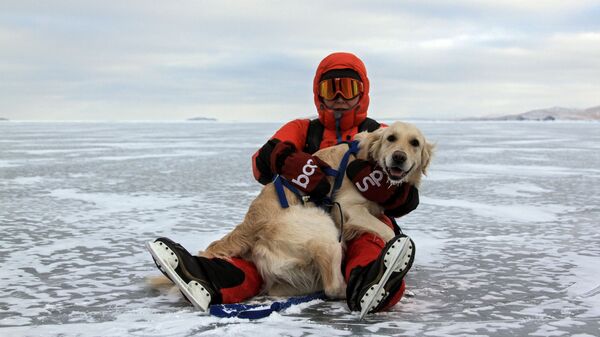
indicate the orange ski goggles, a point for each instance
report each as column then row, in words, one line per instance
column 345, row 86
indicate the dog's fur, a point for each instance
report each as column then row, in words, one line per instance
column 296, row 250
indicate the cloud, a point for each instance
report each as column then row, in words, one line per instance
column 256, row 59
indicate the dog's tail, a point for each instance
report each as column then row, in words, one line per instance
column 236, row 243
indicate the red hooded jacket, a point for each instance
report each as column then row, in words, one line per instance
column 296, row 130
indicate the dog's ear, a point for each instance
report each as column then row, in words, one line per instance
column 374, row 145
column 368, row 143
column 426, row 155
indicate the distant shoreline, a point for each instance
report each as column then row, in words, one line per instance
column 548, row 114
column 202, row 119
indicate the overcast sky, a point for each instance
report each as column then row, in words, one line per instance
column 255, row 60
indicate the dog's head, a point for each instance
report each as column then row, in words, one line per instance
column 400, row 149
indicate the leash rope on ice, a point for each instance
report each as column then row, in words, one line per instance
column 256, row 311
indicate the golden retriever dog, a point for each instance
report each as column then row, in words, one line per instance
column 297, row 249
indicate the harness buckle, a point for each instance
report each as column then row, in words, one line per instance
column 305, row 199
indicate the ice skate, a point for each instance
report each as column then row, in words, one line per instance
column 380, row 279
column 184, row 270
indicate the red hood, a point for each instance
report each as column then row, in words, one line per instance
column 358, row 114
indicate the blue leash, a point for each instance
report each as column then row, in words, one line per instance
column 256, row 311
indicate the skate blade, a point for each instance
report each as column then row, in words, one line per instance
column 167, row 260
column 398, row 259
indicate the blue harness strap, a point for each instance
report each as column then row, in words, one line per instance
column 278, row 182
column 339, row 178
column 331, row 172
column 256, row 311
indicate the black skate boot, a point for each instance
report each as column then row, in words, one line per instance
column 371, row 287
column 198, row 278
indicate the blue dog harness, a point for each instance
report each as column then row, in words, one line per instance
column 326, row 202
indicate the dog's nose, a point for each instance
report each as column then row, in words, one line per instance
column 399, row 157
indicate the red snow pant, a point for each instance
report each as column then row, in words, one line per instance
column 359, row 253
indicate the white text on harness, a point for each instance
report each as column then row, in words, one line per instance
column 308, row 170
column 373, row 179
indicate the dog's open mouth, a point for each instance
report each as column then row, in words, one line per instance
column 396, row 174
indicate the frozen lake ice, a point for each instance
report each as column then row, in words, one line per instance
column 507, row 231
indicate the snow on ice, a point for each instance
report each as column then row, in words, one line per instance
column 506, row 233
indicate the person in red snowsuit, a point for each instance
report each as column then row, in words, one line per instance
column 341, row 96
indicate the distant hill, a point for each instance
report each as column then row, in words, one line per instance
column 549, row 114
column 204, row 119
column 4, row 119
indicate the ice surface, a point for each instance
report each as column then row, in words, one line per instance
column 507, row 230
